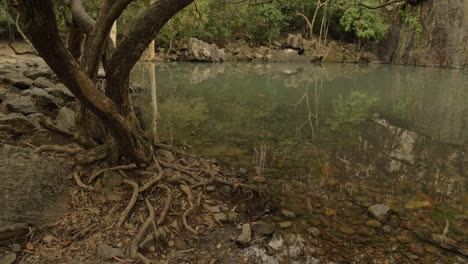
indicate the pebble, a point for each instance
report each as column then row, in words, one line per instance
column 263, row 228
column 288, row 213
column 373, row 223
column 49, row 239
column 379, row 211
column 246, row 236
column 314, row 231
column 285, row 224
column 366, row 231
column 403, row 239
column 347, row 230
column 330, row 212
column 416, row 249
column 430, row 249
column 259, row 179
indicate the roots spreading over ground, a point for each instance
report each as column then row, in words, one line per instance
column 145, row 211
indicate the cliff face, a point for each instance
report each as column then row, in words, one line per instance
column 444, row 41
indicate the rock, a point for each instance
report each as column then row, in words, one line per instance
column 108, row 252
column 288, row 213
column 34, row 118
column 330, row 212
column 431, row 249
column 213, row 209
column 347, row 230
column 35, row 73
column 259, row 179
column 61, row 92
column 34, row 90
column 263, row 228
column 221, row 217
column 366, row 231
column 295, row 41
column 18, row 81
column 65, row 119
column 19, row 104
column 43, row 82
column 45, row 102
column 49, row 239
column 373, row 223
column 285, row 224
column 232, row 217
column 246, row 236
column 19, row 123
column 12, row 231
column 46, row 137
column 314, row 231
column 416, row 249
column 8, row 258
column 379, row 211
column 403, row 239
column 202, row 51
column 16, row 247
column 419, row 201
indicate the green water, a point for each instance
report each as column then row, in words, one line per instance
column 324, row 133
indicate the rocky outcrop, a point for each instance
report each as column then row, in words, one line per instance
column 444, row 41
column 197, row 50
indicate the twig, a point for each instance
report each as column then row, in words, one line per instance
column 80, row 183
column 132, row 202
column 65, row 149
column 120, row 167
column 184, row 220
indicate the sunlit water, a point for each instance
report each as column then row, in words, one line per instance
column 366, row 134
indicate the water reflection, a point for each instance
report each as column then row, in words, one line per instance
column 328, row 133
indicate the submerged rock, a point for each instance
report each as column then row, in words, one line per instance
column 379, row 211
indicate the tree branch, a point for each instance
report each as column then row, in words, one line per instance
column 382, row 5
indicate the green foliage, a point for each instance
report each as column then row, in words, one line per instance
column 350, row 110
column 264, row 23
column 364, row 23
column 412, row 20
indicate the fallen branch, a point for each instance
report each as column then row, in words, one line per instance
column 132, row 202
column 120, row 167
column 80, row 183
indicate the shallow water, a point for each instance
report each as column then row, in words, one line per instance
column 324, row 134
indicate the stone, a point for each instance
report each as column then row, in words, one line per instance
column 246, row 236
column 34, row 90
column 44, row 102
column 8, row 258
column 431, row 249
column 18, row 81
column 420, row 201
column 366, row 231
column 19, row 104
column 62, row 92
column 403, row 239
column 263, row 228
column 285, row 224
column 330, row 212
column 221, row 217
column 416, row 249
column 198, row 50
column 46, row 137
column 19, row 123
column 288, row 213
column 379, row 211
column 35, row 73
column 373, row 223
column 259, row 179
column 108, row 252
column 43, row 82
column 35, row 118
column 12, row 231
column 347, row 230
column 49, row 239
column 65, row 119
column 315, row 232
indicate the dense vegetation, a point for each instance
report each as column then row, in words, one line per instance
column 257, row 21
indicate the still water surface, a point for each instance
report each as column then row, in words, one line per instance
column 327, row 136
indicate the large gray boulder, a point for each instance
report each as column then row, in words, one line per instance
column 32, row 190
column 198, row 50
column 19, row 104
column 18, row 123
column 62, row 92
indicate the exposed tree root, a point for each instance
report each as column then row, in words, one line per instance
column 132, row 202
column 120, row 167
column 80, row 183
column 133, row 249
column 56, row 148
column 167, row 206
column 98, row 153
column 152, row 181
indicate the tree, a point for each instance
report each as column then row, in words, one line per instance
column 112, row 110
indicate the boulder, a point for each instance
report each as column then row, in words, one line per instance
column 17, row 80
column 46, row 137
column 43, row 82
column 8, row 258
column 295, row 42
column 35, row 73
column 201, row 51
column 43, row 100
column 19, row 123
column 19, row 104
column 62, row 92
column 65, row 119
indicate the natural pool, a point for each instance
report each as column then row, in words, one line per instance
column 331, row 140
